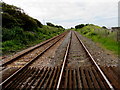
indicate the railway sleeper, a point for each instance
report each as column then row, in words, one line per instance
column 47, row 78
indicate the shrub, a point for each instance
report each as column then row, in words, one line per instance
column 50, row 24
column 14, row 16
column 79, row 26
column 28, row 23
column 38, row 23
column 11, row 34
column 8, row 21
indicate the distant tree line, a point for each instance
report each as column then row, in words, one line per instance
column 52, row 25
column 82, row 25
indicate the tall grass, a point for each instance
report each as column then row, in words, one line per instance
column 17, row 39
column 102, row 36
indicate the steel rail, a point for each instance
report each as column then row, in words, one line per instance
column 101, row 72
column 63, row 65
column 26, row 65
column 11, row 60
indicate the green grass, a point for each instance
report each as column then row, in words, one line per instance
column 106, row 43
column 16, row 39
column 105, row 38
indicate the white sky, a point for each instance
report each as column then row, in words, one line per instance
column 69, row 13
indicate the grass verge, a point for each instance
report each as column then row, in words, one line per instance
column 16, row 39
column 104, row 37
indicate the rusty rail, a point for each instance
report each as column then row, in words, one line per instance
column 27, row 64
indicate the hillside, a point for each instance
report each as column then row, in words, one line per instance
column 20, row 31
column 101, row 35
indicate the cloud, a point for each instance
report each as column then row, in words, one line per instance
column 71, row 12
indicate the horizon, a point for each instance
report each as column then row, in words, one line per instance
column 68, row 13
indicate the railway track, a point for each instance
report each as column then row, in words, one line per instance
column 25, row 59
column 81, row 77
column 77, row 55
column 64, row 82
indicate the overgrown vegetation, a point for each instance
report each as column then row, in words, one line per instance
column 101, row 35
column 20, row 30
column 13, row 16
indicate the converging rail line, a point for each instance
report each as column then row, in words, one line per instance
column 65, row 76
column 95, row 65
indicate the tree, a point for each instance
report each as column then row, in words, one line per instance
column 58, row 26
column 104, row 27
column 50, row 24
column 79, row 26
column 38, row 23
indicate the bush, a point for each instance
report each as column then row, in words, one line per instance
column 93, row 33
column 50, row 24
column 79, row 26
column 14, row 16
column 8, row 21
column 28, row 23
column 11, row 34
column 11, row 46
column 104, row 27
column 38, row 23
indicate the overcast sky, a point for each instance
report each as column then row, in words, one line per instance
column 69, row 13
